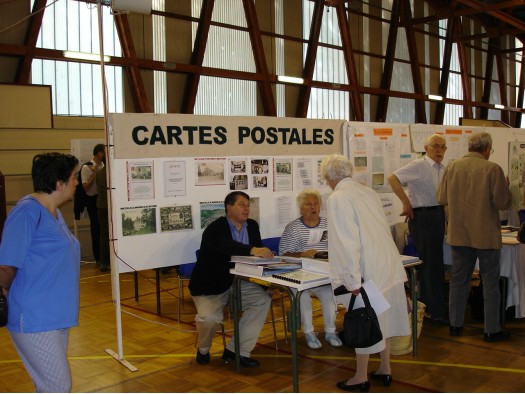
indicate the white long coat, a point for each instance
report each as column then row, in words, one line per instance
column 360, row 245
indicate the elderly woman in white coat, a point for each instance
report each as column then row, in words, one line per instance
column 361, row 247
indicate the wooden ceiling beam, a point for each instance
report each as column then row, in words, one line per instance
column 419, row 105
column 265, row 88
column 521, row 91
column 136, row 84
column 386, row 77
column 35, row 23
column 487, row 81
column 197, row 57
column 445, row 70
column 309, row 64
column 356, row 110
column 465, row 73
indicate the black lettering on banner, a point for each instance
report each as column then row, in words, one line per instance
column 174, row 133
column 220, row 135
column 272, row 137
column 258, row 135
column 284, row 131
column 190, row 130
column 318, row 137
column 157, row 136
column 135, row 135
column 205, row 135
column 244, row 132
column 294, row 137
column 329, row 133
column 305, row 140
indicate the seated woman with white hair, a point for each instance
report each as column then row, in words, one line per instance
column 361, row 248
column 304, row 237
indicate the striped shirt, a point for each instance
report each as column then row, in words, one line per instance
column 298, row 237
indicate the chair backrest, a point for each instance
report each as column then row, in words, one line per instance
column 185, row 270
column 272, row 244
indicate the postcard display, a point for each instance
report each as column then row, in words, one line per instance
column 169, row 175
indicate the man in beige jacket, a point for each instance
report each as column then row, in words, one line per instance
column 475, row 189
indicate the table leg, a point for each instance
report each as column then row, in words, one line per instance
column 294, row 323
column 236, row 305
column 504, row 285
column 414, row 293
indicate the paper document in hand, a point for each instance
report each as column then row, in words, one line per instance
column 377, row 300
column 301, row 276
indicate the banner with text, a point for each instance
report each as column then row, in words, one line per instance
column 173, row 135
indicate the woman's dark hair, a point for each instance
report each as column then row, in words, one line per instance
column 232, row 197
column 49, row 168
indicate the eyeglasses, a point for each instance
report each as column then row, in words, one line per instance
column 311, row 204
column 437, row 146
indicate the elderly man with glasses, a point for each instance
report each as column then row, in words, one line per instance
column 426, row 221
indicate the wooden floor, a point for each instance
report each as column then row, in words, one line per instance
column 163, row 350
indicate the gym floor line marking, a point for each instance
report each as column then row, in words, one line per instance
column 192, row 355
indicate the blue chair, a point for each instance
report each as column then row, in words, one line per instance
column 272, row 244
column 184, row 274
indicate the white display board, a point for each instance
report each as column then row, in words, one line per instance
column 161, row 203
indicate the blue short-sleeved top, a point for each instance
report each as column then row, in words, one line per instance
column 44, row 295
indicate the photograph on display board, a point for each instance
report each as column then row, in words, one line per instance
column 210, row 171
column 238, row 166
column 282, row 170
column 260, row 182
column 140, row 180
column 139, row 220
column 238, row 182
column 176, row 218
column 210, row 211
column 259, row 166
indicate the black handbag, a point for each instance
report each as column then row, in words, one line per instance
column 360, row 326
column 3, row 309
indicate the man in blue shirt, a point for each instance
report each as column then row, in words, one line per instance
column 211, row 281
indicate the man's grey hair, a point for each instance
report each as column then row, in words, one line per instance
column 301, row 197
column 430, row 138
column 478, row 142
column 336, row 167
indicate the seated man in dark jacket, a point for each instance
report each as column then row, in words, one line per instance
column 211, row 281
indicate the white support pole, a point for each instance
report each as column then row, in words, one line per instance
column 115, row 284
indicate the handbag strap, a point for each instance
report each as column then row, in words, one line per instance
column 366, row 301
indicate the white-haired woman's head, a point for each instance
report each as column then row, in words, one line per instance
column 336, row 167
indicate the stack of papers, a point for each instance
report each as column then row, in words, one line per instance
column 260, row 266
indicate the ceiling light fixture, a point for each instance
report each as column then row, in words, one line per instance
column 435, row 97
column 93, row 57
column 284, row 78
column 499, row 106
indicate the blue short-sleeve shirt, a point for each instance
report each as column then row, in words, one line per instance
column 44, row 295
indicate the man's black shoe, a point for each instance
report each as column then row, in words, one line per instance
column 455, row 331
column 229, row 357
column 496, row 336
column 202, row 358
